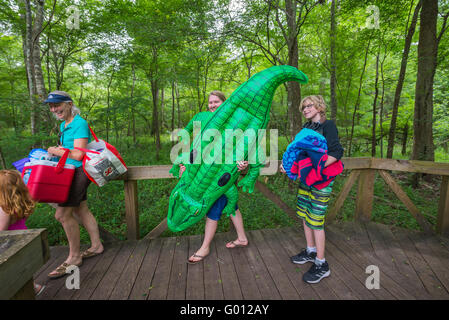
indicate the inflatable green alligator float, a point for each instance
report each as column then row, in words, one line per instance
column 205, row 180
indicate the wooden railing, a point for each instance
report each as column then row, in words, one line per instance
column 363, row 169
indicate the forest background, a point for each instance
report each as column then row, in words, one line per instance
column 140, row 69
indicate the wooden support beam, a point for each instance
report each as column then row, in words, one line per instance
column 443, row 208
column 157, row 231
column 276, row 199
column 365, row 195
column 131, row 209
column 342, row 195
column 396, row 188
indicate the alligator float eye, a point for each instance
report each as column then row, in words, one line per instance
column 224, row 179
column 193, row 154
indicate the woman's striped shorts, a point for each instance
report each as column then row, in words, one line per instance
column 312, row 204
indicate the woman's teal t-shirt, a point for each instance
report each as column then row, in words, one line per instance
column 77, row 129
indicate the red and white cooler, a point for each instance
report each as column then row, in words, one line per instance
column 49, row 181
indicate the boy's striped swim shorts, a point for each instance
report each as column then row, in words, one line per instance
column 312, row 204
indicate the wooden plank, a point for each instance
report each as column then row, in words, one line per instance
column 106, row 236
column 57, row 256
column 161, row 279
column 127, row 278
column 396, row 188
column 277, row 273
column 443, row 208
column 131, row 210
column 429, row 167
column 365, row 195
column 430, row 255
column 26, row 292
column 295, row 272
column 291, row 241
column 422, row 269
column 178, row 276
column 157, row 231
column 88, row 286
column 247, row 278
column 229, row 279
column 338, row 204
column 195, row 279
column 88, row 265
column 416, row 166
column 380, row 248
column 108, row 282
column 213, row 287
column 22, row 253
column 264, row 282
column 399, row 259
column 147, row 172
column 391, row 281
column 342, row 281
column 142, row 284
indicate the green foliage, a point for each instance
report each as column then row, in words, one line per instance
column 124, row 49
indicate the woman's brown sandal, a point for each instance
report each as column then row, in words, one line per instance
column 60, row 271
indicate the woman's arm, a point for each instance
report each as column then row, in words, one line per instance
column 74, row 153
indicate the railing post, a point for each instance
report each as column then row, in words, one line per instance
column 443, row 207
column 132, row 210
column 365, row 195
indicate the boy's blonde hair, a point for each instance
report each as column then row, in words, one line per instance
column 15, row 199
column 319, row 104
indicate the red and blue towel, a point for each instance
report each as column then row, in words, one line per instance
column 305, row 158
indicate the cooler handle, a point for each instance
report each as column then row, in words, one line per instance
column 61, row 163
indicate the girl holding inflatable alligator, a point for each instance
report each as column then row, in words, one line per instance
column 216, row 98
column 313, row 200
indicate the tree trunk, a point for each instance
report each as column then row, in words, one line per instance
column 37, row 29
column 108, row 110
column 423, row 148
column 357, row 103
column 293, row 87
column 404, row 139
column 155, row 94
column 28, row 56
column 132, row 105
column 173, row 106
column 397, row 95
column 376, row 94
column 381, row 111
column 333, row 67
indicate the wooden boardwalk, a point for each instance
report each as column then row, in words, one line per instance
column 412, row 266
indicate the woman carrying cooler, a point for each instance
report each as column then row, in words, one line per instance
column 74, row 132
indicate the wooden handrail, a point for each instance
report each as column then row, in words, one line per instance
column 364, row 170
column 426, row 167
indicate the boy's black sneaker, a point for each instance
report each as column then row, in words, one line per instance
column 304, row 257
column 316, row 273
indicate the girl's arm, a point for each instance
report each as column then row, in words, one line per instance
column 4, row 220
